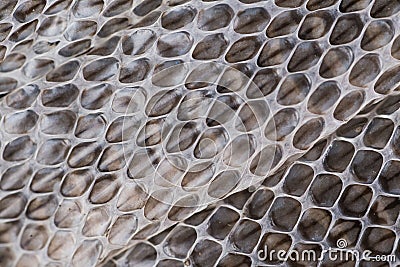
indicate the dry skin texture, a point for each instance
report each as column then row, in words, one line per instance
column 195, row 133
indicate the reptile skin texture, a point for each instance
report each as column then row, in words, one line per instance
column 177, row 133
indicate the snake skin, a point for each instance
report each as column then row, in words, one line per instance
column 195, row 133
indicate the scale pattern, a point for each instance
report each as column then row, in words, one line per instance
column 192, row 133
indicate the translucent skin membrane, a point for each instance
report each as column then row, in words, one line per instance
column 164, row 133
